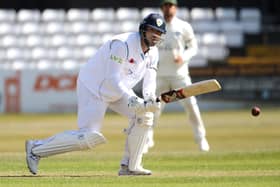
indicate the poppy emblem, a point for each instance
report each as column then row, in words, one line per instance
column 131, row 61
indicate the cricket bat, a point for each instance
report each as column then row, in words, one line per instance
column 197, row 88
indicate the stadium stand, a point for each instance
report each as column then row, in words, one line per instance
column 218, row 29
column 7, row 15
column 103, row 14
column 236, row 38
column 53, row 15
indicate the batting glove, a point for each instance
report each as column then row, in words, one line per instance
column 136, row 104
column 152, row 105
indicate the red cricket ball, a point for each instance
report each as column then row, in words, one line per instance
column 255, row 111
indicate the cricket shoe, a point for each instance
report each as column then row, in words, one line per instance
column 31, row 159
column 140, row 171
column 203, row 145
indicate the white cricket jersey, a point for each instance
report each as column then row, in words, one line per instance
column 118, row 66
column 179, row 40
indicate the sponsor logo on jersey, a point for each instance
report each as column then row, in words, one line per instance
column 116, row 59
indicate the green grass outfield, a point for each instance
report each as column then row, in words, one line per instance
column 245, row 151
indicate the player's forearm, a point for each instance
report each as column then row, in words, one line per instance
column 149, row 84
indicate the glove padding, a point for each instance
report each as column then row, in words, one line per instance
column 136, row 104
column 152, row 105
column 139, row 106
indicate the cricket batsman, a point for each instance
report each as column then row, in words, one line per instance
column 106, row 81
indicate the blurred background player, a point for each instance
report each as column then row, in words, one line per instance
column 175, row 52
column 107, row 81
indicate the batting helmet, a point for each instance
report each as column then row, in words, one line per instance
column 155, row 21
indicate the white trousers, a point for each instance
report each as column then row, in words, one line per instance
column 91, row 110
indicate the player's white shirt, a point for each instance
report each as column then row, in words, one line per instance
column 179, row 39
column 118, row 66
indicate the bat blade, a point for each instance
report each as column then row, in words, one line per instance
column 197, row 88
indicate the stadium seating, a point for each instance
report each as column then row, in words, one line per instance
column 202, row 14
column 53, row 15
column 145, row 11
column 250, row 19
column 101, row 14
column 7, row 15
column 75, row 14
column 26, row 15
column 53, row 27
column 52, row 34
column 128, row 14
column 223, row 14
